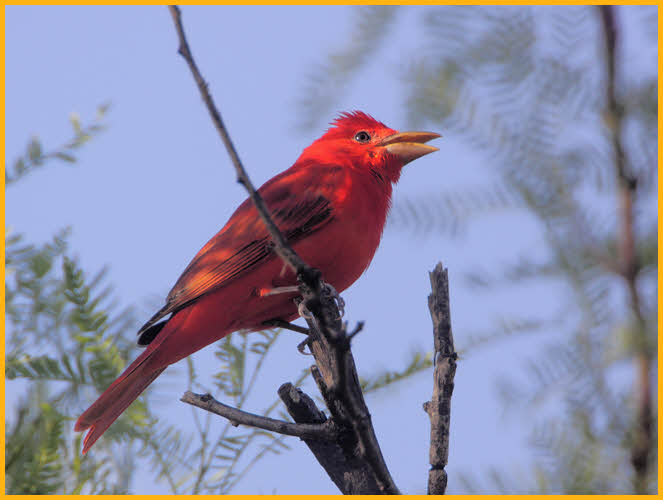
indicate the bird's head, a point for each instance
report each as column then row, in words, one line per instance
column 357, row 140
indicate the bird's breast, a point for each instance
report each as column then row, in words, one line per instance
column 344, row 248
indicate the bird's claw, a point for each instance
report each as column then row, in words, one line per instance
column 303, row 311
column 340, row 303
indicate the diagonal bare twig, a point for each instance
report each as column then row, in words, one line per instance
column 329, row 340
column 282, row 248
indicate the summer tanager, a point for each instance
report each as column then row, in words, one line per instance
column 331, row 206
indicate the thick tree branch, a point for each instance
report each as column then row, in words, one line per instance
column 328, row 338
column 323, row 431
column 348, row 472
column 643, row 439
column 439, row 408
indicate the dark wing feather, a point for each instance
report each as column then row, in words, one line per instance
column 244, row 242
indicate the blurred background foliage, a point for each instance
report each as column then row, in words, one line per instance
column 572, row 144
column 511, row 83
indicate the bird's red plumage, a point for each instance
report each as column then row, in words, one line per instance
column 331, row 205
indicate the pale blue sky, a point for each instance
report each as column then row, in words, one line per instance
column 151, row 190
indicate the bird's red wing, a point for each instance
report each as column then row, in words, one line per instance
column 244, row 242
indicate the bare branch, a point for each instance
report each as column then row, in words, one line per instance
column 281, row 246
column 439, row 408
column 323, row 431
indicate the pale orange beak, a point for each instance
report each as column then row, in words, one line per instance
column 409, row 146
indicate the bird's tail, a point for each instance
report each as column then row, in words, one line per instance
column 121, row 393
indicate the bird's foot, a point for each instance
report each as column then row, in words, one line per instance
column 340, row 303
column 304, row 312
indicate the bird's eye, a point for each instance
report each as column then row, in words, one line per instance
column 362, row 136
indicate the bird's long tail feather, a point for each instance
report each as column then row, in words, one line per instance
column 121, row 393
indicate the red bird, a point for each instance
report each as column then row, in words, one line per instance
column 331, row 206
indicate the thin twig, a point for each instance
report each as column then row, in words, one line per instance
column 281, row 246
column 358, row 328
column 643, row 439
column 439, row 408
column 279, row 323
column 324, row 431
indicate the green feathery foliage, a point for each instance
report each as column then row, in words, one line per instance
column 35, row 157
column 62, row 343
